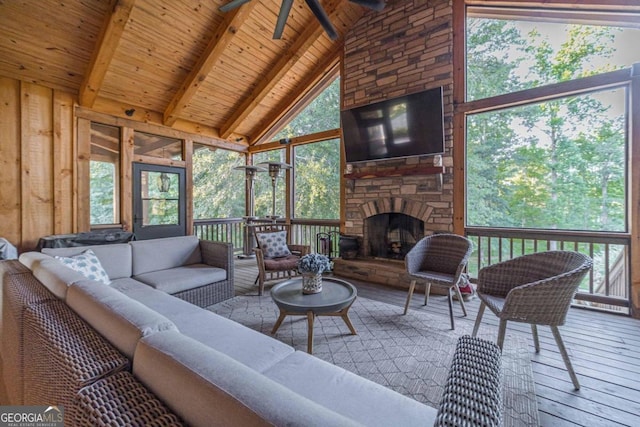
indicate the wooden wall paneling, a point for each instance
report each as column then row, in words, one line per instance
column 10, row 183
column 63, row 163
column 36, row 123
column 127, row 149
column 83, row 188
column 188, row 158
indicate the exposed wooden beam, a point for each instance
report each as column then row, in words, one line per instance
column 219, row 42
column 105, row 50
column 296, row 99
column 304, row 41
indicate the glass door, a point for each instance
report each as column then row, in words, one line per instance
column 159, row 204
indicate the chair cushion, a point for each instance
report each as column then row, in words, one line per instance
column 87, row 264
column 273, row 244
column 289, row 262
column 183, row 278
column 435, row 277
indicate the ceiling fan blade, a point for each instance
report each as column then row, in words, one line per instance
column 371, row 4
column 321, row 15
column 232, row 5
column 285, row 8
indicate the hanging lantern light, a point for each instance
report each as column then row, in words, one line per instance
column 164, row 182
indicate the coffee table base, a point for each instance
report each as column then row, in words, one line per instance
column 344, row 313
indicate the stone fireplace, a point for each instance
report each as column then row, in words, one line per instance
column 389, row 206
column 405, row 49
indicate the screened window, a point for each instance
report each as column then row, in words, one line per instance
column 552, row 164
column 163, row 147
column 516, row 53
column 323, row 113
column 218, row 189
column 104, row 169
column 558, row 164
column 317, row 180
column 263, row 188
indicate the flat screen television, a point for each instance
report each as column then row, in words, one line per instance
column 410, row 125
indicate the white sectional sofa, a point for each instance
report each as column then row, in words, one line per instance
column 129, row 351
column 197, row 271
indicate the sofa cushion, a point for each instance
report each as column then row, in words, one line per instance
column 162, row 254
column 115, row 258
column 31, row 259
column 115, row 316
column 87, row 264
column 353, row 396
column 183, row 278
column 57, row 277
column 253, row 349
column 207, row 388
column 273, row 244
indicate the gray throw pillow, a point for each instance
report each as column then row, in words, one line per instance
column 274, row 244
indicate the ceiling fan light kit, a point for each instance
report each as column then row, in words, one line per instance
column 316, row 8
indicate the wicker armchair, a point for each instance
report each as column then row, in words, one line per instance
column 440, row 260
column 535, row 289
column 279, row 266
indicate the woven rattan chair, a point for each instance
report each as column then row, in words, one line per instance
column 277, row 267
column 438, row 260
column 535, row 289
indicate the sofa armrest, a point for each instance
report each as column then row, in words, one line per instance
column 216, row 254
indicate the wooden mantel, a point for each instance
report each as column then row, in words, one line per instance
column 382, row 173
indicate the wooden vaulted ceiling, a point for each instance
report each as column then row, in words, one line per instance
column 181, row 61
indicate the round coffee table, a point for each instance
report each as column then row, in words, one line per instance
column 336, row 298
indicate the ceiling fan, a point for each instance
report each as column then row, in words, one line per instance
column 315, row 7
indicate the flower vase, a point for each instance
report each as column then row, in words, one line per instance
column 311, row 283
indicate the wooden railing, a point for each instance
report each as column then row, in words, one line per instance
column 229, row 230
column 303, row 232
column 606, row 286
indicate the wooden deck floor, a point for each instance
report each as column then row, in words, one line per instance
column 604, row 349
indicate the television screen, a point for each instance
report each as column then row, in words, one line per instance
column 410, row 125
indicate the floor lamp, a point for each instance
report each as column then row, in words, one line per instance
column 274, row 173
column 250, row 172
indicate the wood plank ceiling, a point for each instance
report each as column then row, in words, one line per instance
column 183, row 61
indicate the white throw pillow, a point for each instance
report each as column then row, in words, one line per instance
column 87, row 264
column 274, row 244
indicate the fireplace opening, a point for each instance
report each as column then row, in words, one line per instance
column 392, row 235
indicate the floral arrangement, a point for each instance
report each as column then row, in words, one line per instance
column 314, row 263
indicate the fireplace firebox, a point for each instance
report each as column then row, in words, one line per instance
column 391, row 235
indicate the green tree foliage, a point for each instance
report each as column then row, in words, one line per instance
column 317, row 180
column 218, row 189
column 323, row 113
column 264, row 187
column 555, row 164
column 102, row 182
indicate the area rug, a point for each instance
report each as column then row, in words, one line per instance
column 409, row 353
